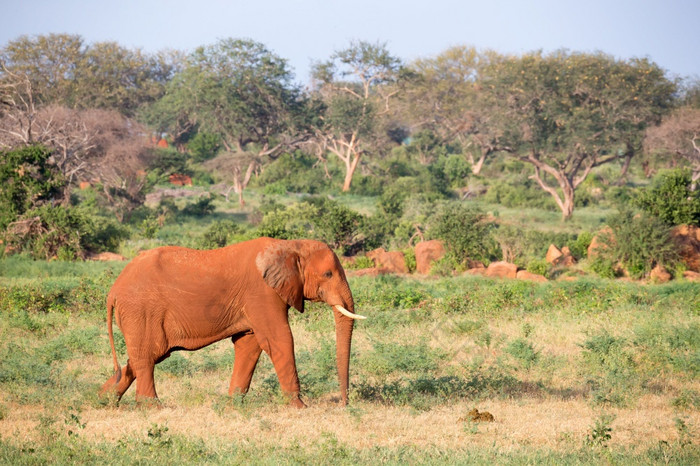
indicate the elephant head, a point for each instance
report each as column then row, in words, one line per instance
column 309, row 270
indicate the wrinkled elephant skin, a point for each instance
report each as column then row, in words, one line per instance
column 174, row 298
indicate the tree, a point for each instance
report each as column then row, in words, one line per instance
column 679, row 135
column 353, row 86
column 243, row 93
column 49, row 61
column 441, row 94
column 110, row 76
column 65, row 71
column 92, row 144
column 567, row 113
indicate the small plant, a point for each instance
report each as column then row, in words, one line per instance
column 73, row 421
column 685, row 436
column 158, row 436
column 523, row 351
column 218, row 234
column 601, row 432
column 149, row 227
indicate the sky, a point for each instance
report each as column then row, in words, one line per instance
column 305, row 31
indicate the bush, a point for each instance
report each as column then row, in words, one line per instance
column 204, row 146
column 317, row 218
column 637, row 242
column 200, row 208
column 334, row 223
column 28, row 180
column 465, row 231
column 292, row 222
column 218, row 234
column 670, row 199
column 293, row 173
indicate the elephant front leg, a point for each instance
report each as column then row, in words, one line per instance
column 247, row 353
column 280, row 347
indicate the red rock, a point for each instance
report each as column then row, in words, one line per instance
column 393, row 261
column 533, row 277
column 691, row 276
column 370, row 272
column 687, row 239
column 553, row 254
column 501, row 269
column 597, row 243
column 659, row 274
column 428, row 252
column 180, row 180
column 105, row 256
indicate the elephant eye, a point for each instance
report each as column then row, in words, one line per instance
column 328, row 274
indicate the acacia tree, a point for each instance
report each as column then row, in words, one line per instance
column 441, row 95
column 353, row 84
column 566, row 114
column 65, row 71
column 242, row 92
column 679, row 135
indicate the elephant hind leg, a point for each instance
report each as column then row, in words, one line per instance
column 247, row 353
column 145, row 386
column 119, row 388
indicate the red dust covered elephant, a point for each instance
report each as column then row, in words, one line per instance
column 174, row 298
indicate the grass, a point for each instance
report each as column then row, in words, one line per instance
column 589, row 371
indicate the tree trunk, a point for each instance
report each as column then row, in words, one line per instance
column 350, row 167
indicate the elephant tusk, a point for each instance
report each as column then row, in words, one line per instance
column 347, row 313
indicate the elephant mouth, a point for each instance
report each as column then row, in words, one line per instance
column 347, row 313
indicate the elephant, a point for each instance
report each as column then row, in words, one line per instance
column 174, row 298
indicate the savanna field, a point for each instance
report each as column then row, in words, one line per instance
column 586, row 371
column 578, row 171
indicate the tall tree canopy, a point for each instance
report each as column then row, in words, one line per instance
column 566, row 113
column 63, row 70
column 240, row 91
column 441, row 95
column 353, row 86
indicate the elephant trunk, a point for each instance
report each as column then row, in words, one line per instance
column 343, row 341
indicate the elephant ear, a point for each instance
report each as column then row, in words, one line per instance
column 281, row 269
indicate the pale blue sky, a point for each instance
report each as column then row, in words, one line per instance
column 666, row 31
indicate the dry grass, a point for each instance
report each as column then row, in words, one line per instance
column 557, row 425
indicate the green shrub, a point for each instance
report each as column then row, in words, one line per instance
column 204, row 146
column 390, row 358
column 317, row 218
column 46, row 231
column 28, row 180
column 465, row 231
column 293, row 172
column 334, row 223
column 638, row 243
column 610, row 368
column 200, row 208
column 292, row 222
column 519, row 192
column 523, row 351
column 218, row 234
column 670, row 198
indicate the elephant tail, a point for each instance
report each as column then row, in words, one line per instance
column 111, row 302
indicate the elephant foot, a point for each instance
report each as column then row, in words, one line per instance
column 147, row 402
column 295, row 401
